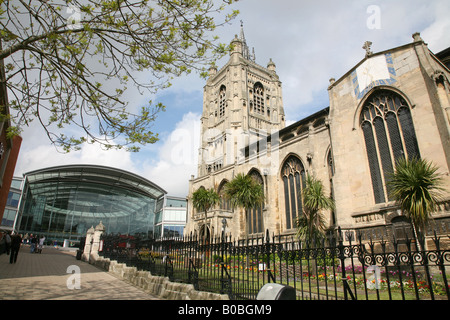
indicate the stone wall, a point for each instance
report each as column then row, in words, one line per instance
column 155, row 285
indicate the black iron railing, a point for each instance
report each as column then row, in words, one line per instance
column 326, row 270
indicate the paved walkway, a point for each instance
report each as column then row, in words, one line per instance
column 45, row 276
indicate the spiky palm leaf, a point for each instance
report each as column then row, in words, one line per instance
column 203, row 200
column 416, row 187
column 311, row 224
column 244, row 191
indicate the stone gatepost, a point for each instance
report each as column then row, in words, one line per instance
column 88, row 244
column 92, row 244
column 98, row 231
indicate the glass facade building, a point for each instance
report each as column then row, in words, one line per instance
column 171, row 220
column 12, row 205
column 63, row 202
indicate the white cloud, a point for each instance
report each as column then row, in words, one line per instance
column 437, row 35
column 45, row 155
column 177, row 157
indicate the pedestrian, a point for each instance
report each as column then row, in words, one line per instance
column 41, row 243
column 8, row 242
column 2, row 242
column 16, row 241
column 33, row 240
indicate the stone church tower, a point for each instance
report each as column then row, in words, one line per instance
column 242, row 102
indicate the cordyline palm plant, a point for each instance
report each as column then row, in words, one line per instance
column 203, row 200
column 243, row 191
column 416, row 186
column 311, row 223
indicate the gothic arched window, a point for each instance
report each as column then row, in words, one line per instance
column 222, row 101
column 224, row 202
column 293, row 176
column 254, row 216
column 258, row 98
column 389, row 134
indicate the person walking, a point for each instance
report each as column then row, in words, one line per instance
column 16, row 241
column 2, row 242
column 8, row 242
column 41, row 244
column 33, row 240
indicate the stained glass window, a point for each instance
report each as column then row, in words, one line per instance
column 254, row 216
column 389, row 134
column 293, row 176
column 224, row 202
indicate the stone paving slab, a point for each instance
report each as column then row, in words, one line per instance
column 45, row 276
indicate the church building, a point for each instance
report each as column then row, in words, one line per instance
column 392, row 104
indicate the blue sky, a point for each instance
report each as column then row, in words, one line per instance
column 309, row 41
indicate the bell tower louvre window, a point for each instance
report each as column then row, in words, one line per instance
column 258, row 98
column 222, row 101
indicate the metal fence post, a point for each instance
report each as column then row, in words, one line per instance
column 267, row 250
column 341, row 257
column 440, row 262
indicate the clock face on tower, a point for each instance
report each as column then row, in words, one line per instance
column 375, row 71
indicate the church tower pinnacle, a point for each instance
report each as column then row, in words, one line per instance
column 245, row 50
column 241, row 101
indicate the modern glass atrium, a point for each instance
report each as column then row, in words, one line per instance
column 62, row 203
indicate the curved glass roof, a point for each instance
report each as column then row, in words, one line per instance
column 96, row 174
column 92, row 189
